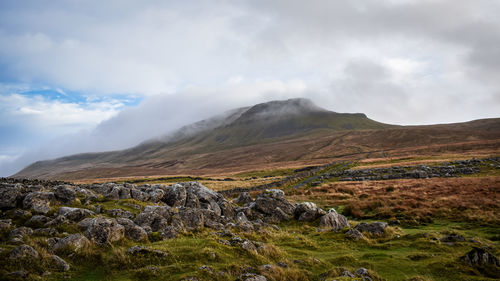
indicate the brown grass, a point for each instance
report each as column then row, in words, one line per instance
column 413, row 201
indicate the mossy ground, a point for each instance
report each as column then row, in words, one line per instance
column 401, row 254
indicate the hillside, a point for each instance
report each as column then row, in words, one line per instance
column 275, row 134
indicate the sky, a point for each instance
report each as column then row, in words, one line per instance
column 98, row 75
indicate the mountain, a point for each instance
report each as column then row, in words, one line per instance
column 273, row 134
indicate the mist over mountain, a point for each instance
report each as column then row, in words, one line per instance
column 280, row 131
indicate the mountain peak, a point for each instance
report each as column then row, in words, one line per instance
column 280, row 108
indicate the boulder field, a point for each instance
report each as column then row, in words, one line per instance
column 148, row 213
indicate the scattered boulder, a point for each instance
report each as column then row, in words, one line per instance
column 333, row 220
column 243, row 198
column 133, row 231
column 153, row 217
column 38, row 201
column 120, row 213
column 354, row 234
column 38, row 220
column 23, row 252
column 251, row 277
column 10, row 194
column 75, row 214
column 192, row 218
column 453, row 238
column 104, row 231
column 20, row 232
column 73, row 242
column 65, row 194
column 307, row 211
column 48, row 231
column 377, row 228
column 272, row 203
column 84, row 224
column 4, row 224
column 175, row 196
column 480, row 257
column 139, row 195
column 59, row 264
column 140, row 250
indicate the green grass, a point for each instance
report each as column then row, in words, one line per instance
column 400, row 255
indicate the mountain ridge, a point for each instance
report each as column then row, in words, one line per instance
column 247, row 135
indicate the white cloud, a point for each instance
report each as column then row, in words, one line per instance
column 405, row 62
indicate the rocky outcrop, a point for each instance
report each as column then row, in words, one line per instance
column 38, row 201
column 273, row 205
column 11, row 195
column 23, row 252
column 75, row 214
column 103, row 231
column 58, row 263
column 133, row 231
column 333, row 221
column 73, row 243
column 480, row 257
column 65, row 194
column 308, row 211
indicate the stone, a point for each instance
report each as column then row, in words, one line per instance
column 241, row 218
column 5, row 224
column 354, row 234
column 480, row 257
column 84, row 224
column 347, row 274
column 57, row 221
column 10, row 195
column 38, row 201
column 282, row 264
column 104, row 231
column 377, row 228
column 251, row 277
column 156, row 195
column 243, row 198
column 45, row 231
column 362, row 272
column 133, row 231
column 120, row 213
column 75, row 214
column 272, row 203
column 139, row 195
column 59, row 264
column 141, row 250
column 334, row 221
column 65, row 194
column 307, row 211
column 453, row 238
column 20, row 274
column 38, row 220
column 175, row 195
column 192, row 219
column 206, row 268
column 152, row 216
column 73, row 242
column 20, row 232
column 169, row 232
column 23, row 252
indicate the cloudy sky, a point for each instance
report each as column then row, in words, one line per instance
column 78, row 76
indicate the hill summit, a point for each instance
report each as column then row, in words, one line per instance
column 293, row 132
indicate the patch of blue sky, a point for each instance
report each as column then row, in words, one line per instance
column 57, row 94
column 69, row 96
